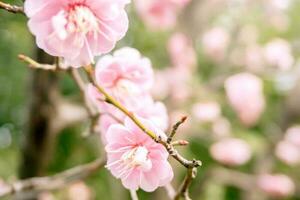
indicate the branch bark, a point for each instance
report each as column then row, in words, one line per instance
column 31, row 187
column 11, row 8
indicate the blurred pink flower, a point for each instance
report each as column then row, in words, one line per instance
column 215, row 42
column 293, row 135
column 159, row 14
column 288, row 152
column 277, row 185
column 181, row 50
column 245, row 94
column 206, row 111
column 79, row 191
column 135, row 158
column 254, row 58
column 77, row 30
column 231, row 151
column 278, row 53
column 221, row 127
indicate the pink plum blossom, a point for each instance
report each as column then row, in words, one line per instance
column 231, row 151
column 135, row 158
column 245, row 94
column 277, row 185
column 293, row 135
column 278, row 53
column 155, row 112
column 181, row 50
column 159, row 14
column 125, row 75
column 77, row 30
column 288, row 152
column 206, row 111
column 215, row 43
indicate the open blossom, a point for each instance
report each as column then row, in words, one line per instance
column 125, row 73
column 245, row 94
column 231, row 151
column 215, row 42
column 159, row 14
column 135, row 158
column 278, row 53
column 277, row 185
column 181, row 50
column 77, row 30
column 155, row 112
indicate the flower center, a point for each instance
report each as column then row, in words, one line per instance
column 125, row 87
column 81, row 19
column 137, row 156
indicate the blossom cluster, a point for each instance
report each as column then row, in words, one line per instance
column 79, row 30
column 132, row 155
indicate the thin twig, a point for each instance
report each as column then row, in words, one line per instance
column 170, row 148
column 180, row 143
column 11, row 8
column 40, row 184
column 175, row 128
column 134, row 195
column 184, row 188
column 33, row 64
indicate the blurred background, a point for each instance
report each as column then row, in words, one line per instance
column 231, row 66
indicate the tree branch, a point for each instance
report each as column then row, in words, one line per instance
column 11, row 8
column 40, row 184
column 184, row 188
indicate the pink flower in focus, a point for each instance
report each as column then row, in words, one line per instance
column 135, row 158
column 125, row 75
column 278, row 53
column 155, row 112
column 245, row 94
column 159, row 14
column 215, row 42
column 77, row 30
column 277, row 185
column 207, row 111
column 181, row 50
column 231, row 151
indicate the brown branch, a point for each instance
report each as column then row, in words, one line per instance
column 191, row 165
column 33, row 64
column 40, row 184
column 170, row 148
column 175, row 128
column 184, row 188
column 11, row 8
